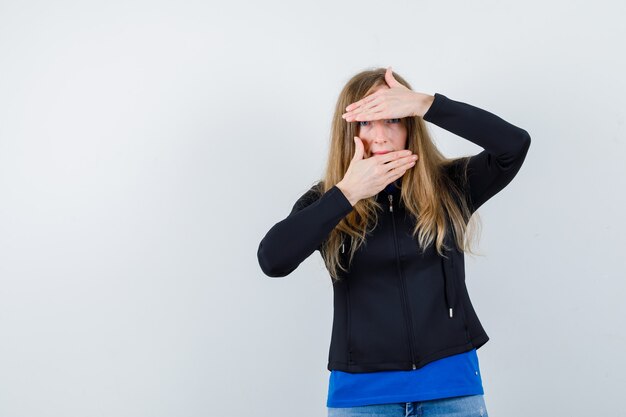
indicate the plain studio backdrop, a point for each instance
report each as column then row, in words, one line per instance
column 147, row 147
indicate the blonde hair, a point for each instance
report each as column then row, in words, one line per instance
column 427, row 191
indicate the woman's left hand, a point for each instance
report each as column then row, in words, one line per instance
column 397, row 101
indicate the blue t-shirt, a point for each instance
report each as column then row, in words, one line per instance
column 451, row 376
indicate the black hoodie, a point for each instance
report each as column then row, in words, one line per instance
column 398, row 308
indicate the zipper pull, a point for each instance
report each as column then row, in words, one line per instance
column 342, row 248
column 390, row 203
column 414, row 367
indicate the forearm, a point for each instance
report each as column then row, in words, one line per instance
column 479, row 126
column 292, row 240
column 505, row 146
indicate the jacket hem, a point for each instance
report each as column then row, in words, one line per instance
column 475, row 343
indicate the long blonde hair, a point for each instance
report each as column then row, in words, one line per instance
column 428, row 193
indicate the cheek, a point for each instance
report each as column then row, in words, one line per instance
column 400, row 138
column 404, row 137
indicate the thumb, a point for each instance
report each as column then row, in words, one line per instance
column 359, row 150
column 391, row 82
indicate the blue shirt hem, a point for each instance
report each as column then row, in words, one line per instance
column 425, row 396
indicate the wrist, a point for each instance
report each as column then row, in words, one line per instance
column 347, row 193
column 422, row 104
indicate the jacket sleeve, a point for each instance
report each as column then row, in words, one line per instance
column 295, row 238
column 505, row 145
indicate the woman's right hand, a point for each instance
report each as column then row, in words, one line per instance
column 367, row 177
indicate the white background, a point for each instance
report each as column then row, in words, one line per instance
column 146, row 147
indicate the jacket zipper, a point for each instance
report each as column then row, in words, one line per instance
column 404, row 301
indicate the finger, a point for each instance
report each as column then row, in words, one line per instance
column 359, row 150
column 392, row 178
column 375, row 106
column 389, row 79
column 398, row 172
column 371, row 104
column 402, row 163
column 371, row 115
column 406, row 165
column 363, row 101
column 349, row 116
column 354, row 105
column 391, row 156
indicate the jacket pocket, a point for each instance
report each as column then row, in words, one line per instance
column 378, row 332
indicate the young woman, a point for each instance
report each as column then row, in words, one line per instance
column 392, row 219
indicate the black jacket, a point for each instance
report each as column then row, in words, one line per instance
column 396, row 308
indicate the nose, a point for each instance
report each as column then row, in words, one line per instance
column 379, row 134
column 376, row 137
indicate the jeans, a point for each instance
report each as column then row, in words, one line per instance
column 463, row 406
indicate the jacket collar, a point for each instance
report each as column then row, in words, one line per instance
column 394, row 187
